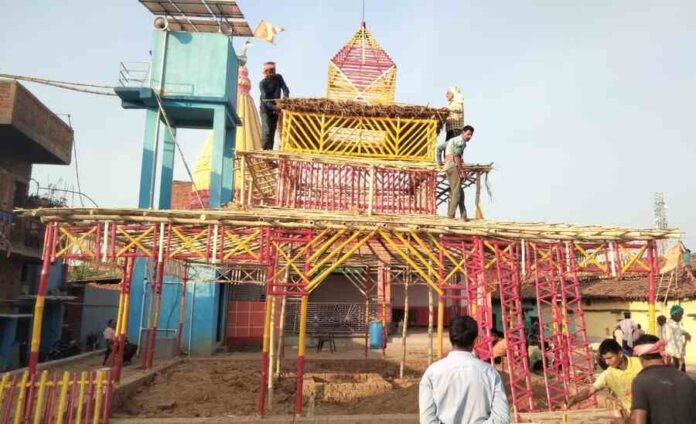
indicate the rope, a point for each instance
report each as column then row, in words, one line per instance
column 178, row 147
column 64, row 84
column 77, row 168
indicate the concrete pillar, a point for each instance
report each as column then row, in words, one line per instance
column 167, row 177
column 148, row 165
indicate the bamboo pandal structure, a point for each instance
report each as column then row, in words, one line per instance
column 299, row 248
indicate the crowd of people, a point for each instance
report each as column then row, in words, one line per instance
column 645, row 373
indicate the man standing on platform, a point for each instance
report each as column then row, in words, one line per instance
column 271, row 86
column 454, row 121
column 454, row 168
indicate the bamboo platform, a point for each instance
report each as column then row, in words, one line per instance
column 288, row 218
column 584, row 416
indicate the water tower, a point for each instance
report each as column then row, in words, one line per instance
column 190, row 82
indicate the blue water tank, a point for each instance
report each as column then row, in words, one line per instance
column 376, row 334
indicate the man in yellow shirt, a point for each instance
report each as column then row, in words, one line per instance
column 618, row 377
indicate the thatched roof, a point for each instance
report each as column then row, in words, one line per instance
column 353, row 108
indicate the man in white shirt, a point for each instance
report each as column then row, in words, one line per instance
column 459, row 388
column 628, row 326
column 109, row 335
column 676, row 338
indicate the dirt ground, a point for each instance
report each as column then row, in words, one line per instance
column 229, row 387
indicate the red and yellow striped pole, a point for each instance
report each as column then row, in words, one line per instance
column 41, row 298
column 261, row 402
column 300, row 355
column 268, row 254
column 122, row 321
column 652, row 262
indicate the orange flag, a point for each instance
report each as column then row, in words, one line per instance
column 266, row 31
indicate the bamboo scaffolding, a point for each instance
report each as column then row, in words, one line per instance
column 358, row 162
column 405, row 326
column 288, row 218
column 430, row 326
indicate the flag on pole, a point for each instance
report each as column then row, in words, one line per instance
column 266, row 31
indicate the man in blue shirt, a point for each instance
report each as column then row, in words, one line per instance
column 454, row 168
column 460, row 388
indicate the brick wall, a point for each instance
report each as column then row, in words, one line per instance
column 181, row 194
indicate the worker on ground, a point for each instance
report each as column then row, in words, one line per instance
column 461, row 388
column 618, row 335
column 109, row 334
column 676, row 338
column 661, row 321
column 272, row 86
column 628, row 326
column 618, row 377
column 637, row 333
column 454, row 168
column 454, row 121
column 500, row 346
column 661, row 394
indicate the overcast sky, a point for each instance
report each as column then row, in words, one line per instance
column 586, row 108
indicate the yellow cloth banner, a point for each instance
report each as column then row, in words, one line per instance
column 266, row 31
column 673, row 256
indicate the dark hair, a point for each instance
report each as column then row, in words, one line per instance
column 648, row 339
column 463, row 332
column 609, row 346
column 627, row 315
column 661, row 320
column 468, row 128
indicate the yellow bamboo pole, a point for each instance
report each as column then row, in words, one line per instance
column 440, row 326
column 19, row 406
column 281, row 335
column 81, row 396
column 4, row 385
column 38, row 406
column 405, row 327
column 62, row 400
column 98, row 398
column 430, row 325
column 319, row 278
column 260, row 404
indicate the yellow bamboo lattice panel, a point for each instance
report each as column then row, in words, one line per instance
column 380, row 91
column 408, row 139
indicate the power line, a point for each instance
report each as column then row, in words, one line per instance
column 74, row 86
column 39, row 188
column 77, row 168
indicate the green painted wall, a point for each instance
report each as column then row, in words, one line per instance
column 197, row 64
